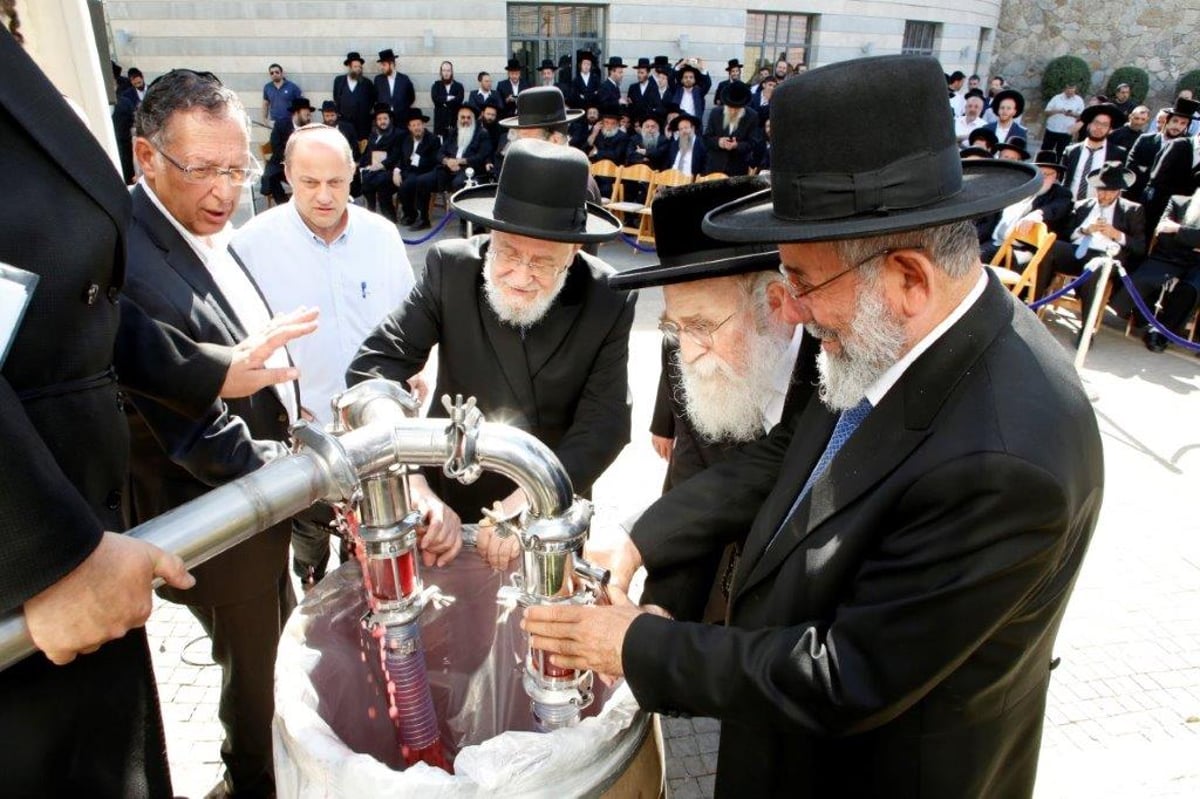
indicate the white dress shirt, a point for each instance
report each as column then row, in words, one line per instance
column 687, row 104
column 772, row 402
column 356, row 281
column 1097, row 241
column 1099, row 157
column 247, row 304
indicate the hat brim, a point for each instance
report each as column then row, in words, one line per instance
column 988, row 186
column 477, row 204
column 515, row 121
column 664, row 275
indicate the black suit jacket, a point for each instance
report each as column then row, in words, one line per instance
column 748, row 132
column 699, row 156
column 675, row 94
column 1128, row 217
column 477, row 101
column 609, row 94
column 1172, row 174
column 172, row 461
column 1074, row 158
column 427, row 155
column 895, row 639
column 400, row 98
column 355, row 106
column 387, row 142
column 508, row 98
column 644, row 101
column 565, row 381
column 1180, row 247
column 447, row 99
column 476, row 154
column 583, row 92
column 1141, row 160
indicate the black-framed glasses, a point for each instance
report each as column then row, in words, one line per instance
column 700, row 332
column 238, row 175
column 799, row 287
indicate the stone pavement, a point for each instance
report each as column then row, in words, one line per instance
column 1123, row 717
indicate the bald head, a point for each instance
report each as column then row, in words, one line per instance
column 319, row 167
column 317, row 136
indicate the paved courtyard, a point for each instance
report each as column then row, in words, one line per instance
column 1124, row 712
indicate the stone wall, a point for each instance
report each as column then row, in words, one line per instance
column 1156, row 35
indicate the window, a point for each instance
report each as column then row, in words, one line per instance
column 920, row 38
column 772, row 37
column 538, row 31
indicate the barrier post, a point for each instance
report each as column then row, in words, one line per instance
column 1093, row 312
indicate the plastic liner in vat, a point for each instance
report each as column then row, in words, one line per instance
column 333, row 736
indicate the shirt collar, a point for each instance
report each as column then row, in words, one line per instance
column 203, row 246
column 304, row 230
column 879, row 389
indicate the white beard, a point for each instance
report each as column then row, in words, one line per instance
column 877, row 343
column 726, row 406
column 521, row 315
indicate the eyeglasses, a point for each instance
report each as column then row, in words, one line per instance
column 543, row 268
column 798, row 287
column 700, row 332
column 238, row 175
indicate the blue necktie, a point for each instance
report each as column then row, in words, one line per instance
column 847, row 423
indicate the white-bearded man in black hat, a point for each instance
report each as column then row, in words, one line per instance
column 732, row 134
column 524, row 322
column 912, row 536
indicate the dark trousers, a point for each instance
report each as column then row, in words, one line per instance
column 245, row 638
column 90, row 728
column 272, row 184
column 1055, row 141
column 310, row 542
column 380, row 192
column 1062, row 260
column 1177, row 304
column 415, row 191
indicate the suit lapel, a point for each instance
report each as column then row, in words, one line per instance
column 550, row 334
column 509, row 349
column 886, row 438
column 34, row 102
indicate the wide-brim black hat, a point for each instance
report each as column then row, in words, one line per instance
column 662, row 61
column 298, row 103
column 412, row 113
column 386, row 55
column 830, row 182
column 736, row 94
column 1183, row 107
column 1009, row 94
column 1116, row 115
column 974, row 152
column 1112, row 176
column 685, row 252
column 734, row 64
column 673, row 125
column 1049, row 158
column 643, row 63
column 688, row 68
column 1016, row 145
column 974, row 93
column 541, row 107
column 542, row 193
column 614, row 62
column 612, row 111
column 381, row 108
column 353, row 56
column 513, row 65
column 546, row 64
column 984, row 135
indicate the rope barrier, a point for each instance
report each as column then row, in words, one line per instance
column 632, row 242
column 436, row 230
column 1148, row 315
column 1088, row 272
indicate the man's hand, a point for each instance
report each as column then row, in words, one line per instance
column 498, row 551
column 583, row 636
column 419, row 387
column 104, row 597
column 396, row 177
column 442, row 538
column 246, row 374
column 662, row 445
column 611, row 548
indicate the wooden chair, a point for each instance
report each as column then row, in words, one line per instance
column 664, row 179
column 607, row 169
column 629, row 211
column 711, row 176
column 1007, row 261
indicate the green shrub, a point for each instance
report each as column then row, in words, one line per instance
column 1137, row 78
column 1063, row 70
column 1189, row 80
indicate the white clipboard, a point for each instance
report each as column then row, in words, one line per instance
column 16, row 290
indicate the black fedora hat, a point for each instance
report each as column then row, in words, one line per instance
column 985, row 135
column 381, row 108
column 1049, row 159
column 734, row 64
column 1183, row 107
column 643, row 63
column 684, row 116
column 974, row 93
column 688, row 68
column 685, row 252
column 1115, row 115
column 830, row 182
column 662, row 62
column 353, row 56
column 736, row 94
column 411, row 113
column 967, row 153
column 612, row 111
column 615, row 62
column 1113, row 176
column 1014, row 145
column 546, row 64
column 1009, row 94
column 541, row 107
column 299, row 103
column 329, row 105
column 585, row 55
column 513, row 65
column 542, row 193
column 386, row 55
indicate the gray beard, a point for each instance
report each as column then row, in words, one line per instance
column 876, row 344
column 519, row 315
column 608, row 134
column 649, row 142
column 465, row 135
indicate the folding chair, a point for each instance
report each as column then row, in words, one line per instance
column 638, row 173
column 664, row 179
column 711, row 176
column 607, row 169
column 1007, row 262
